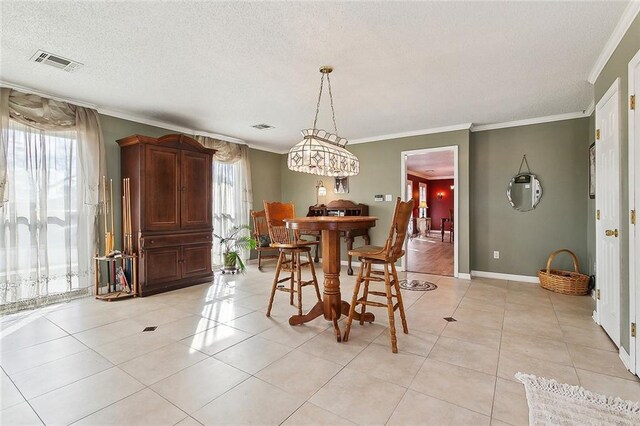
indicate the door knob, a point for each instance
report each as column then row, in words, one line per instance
column 611, row 233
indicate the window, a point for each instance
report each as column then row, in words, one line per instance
column 231, row 204
column 41, row 226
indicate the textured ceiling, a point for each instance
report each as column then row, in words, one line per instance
column 432, row 165
column 399, row 67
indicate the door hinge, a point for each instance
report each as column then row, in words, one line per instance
column 633, row 217
column 632, row 102
column 597, row 214
column 633, row 329
column 597, row 134
column 598, row 294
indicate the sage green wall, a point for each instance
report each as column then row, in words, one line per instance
column 557, row 155
column 380, row 164
column 265, row 166
column 265, row 179
column 617, row 66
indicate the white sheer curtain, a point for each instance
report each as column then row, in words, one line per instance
column 50, row 161
column 232, row 194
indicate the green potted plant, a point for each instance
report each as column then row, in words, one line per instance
column 232, row 244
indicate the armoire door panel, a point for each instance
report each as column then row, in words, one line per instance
column 162, row 265
column 196, row 260
column 196, row 189
column 162, row 203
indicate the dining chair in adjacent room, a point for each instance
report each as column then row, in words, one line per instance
column 291, row 248
column 386, row 256
column 451, row 225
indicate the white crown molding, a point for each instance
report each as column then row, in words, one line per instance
column 164, row 125
column 619, row 31
column 132, row 117
column 262, row 148
column 456, row 127
column 529, row 121
column 45, row 95
column 508, row 277
column 425, row 176
column 592, row 106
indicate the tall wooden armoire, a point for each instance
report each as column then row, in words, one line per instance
column 171, row 192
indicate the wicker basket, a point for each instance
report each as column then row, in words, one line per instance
column 564, row 282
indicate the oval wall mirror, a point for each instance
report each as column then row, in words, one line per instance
column 524, row 192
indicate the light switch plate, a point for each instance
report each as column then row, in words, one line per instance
column 388, row 197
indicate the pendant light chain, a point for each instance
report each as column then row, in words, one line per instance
column 315, row 120
column 333, row 111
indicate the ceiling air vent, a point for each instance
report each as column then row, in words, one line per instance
column 56, row 61
column 262, row 126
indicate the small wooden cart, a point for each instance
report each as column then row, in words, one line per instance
column 112, row 263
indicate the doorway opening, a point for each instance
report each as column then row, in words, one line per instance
column 429, row 177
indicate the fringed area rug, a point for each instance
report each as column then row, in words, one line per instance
column 553, row 403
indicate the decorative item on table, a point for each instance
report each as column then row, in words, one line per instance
column 321, row 191
column 423, row 208
column 341, row 185
column 320, row 152
column 232, row 245
column 564, row 282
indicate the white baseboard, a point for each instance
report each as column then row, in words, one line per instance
column 464, row 276
column 595, row 317
column 509, row 277
column 626, row 358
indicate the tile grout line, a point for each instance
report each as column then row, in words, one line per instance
column 24, row 399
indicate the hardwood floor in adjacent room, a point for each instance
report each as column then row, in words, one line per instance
column 430, row 255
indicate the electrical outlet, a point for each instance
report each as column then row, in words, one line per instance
column 496, row 254
column 388, row 197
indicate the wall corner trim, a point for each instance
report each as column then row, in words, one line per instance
column 508, row 277
column 619, row 31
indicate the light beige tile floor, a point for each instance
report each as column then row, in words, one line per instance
column 215, row 358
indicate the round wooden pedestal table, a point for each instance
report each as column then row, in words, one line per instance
column 332, row 305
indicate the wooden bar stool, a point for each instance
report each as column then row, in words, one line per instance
column 291, row 248
column 386, row 256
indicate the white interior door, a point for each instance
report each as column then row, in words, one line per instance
column 634, row 199
column 608, row 211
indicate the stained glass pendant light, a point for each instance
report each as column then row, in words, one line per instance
column 320, row 152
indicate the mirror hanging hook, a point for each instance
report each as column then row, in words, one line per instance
column 524, row 161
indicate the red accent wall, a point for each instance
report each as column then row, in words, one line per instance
column 439, row 208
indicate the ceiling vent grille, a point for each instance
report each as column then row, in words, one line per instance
column 55, row 61
column 262, row 126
